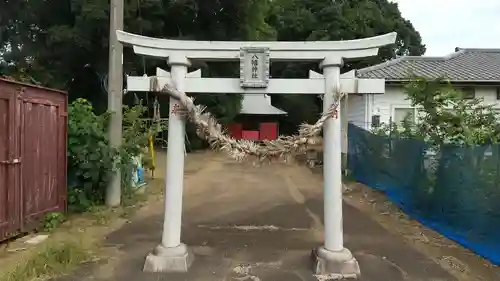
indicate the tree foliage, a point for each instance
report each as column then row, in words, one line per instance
column 296, row 20
column 64, row 44
column 346, row 20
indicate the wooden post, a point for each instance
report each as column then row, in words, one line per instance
column 115, row 97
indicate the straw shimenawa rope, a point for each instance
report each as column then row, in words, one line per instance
column 283, row 148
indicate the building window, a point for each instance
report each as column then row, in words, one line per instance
column 498, row 93
column 375, row 121
column 469, row 92
column 401, row 113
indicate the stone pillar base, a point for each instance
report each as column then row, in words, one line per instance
column 162, row 259
column 335, row 265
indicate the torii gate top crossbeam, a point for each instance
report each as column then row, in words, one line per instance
column 230, row 50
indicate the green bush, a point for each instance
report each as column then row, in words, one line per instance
column 91, row 161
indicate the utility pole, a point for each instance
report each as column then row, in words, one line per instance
column 115, row 96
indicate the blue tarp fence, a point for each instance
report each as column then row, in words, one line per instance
column 455, row 191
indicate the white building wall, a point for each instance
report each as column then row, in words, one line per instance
column 384, row 104
column 395, row 97
column 489, row 93
column 357, row 110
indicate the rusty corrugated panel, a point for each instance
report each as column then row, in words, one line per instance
column 10, row 217
column 4, row 146
column 43, row 153
column 36, row 140
column 5, row 81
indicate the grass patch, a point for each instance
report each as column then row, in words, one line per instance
column 56, row 257
column 74, row 241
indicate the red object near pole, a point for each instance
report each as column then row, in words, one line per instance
column 268, row 131
column 236, row 130
column 251, row 135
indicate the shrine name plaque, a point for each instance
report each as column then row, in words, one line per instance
column 254, row 67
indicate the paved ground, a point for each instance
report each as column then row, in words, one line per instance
column 263, row 219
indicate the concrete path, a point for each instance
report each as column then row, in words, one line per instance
column 248, row 223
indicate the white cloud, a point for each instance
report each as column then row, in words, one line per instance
column 446, row 24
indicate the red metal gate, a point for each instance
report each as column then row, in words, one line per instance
column 32, row 155
column 9, row 192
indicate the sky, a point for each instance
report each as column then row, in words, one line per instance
column 446, row 24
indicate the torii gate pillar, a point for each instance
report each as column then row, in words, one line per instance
column 332, row 256
column 171, row 254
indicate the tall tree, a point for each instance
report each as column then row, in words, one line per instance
column 68, row 49
column 296, row 20
column 346, row 20
column 64, row 44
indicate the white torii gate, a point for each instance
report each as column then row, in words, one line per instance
column 255, row 57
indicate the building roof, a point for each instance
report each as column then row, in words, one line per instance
column 464, row 65
column 259, row 104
